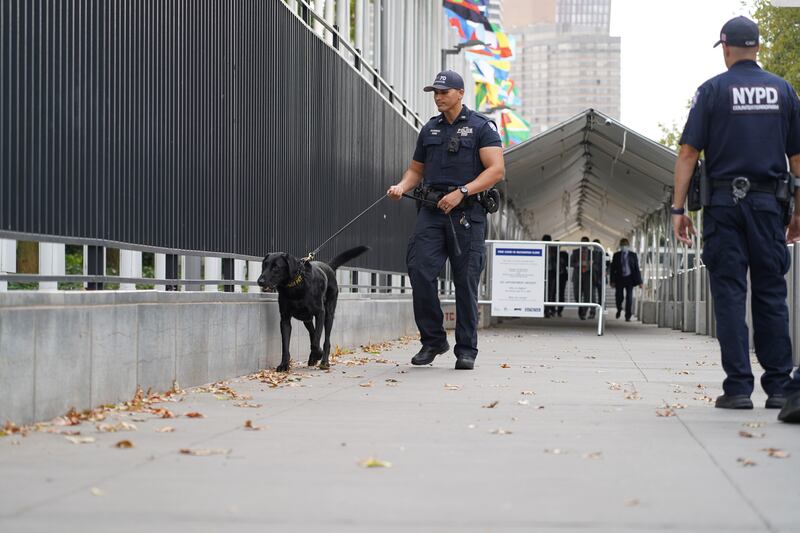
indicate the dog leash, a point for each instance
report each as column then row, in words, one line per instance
column 449, row 217
column 315, row 251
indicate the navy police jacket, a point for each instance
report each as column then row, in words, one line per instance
column 446, row 168
column 747, row 120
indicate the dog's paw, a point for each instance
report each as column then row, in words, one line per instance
column 324, row 365
column 312, row 361
column 314, row 357
column 283, row 367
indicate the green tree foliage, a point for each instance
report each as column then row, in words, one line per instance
column 780, row 39
column 670, row 135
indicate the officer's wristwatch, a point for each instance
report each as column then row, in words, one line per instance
column 464, row 190
column 677, row 210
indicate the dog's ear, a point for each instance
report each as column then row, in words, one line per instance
column 292, row 264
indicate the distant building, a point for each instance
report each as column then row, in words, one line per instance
column 565, row 59
column 494, row 11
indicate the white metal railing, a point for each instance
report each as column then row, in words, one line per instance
column 588, row 291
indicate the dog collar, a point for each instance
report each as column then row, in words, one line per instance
column 295, row 282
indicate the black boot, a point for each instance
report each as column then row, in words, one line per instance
column 428, row 353
column 465, row 363
column 791, row 410
column 775, row 401
column 734, row 402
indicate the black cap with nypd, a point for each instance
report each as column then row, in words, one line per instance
column 739, row 31
column 447, row 79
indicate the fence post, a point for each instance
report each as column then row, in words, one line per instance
column 171, row 270
column 213, row 271
column 130, row 266
column 253, row 273
column 95, row 265
column 51, row 263
column 191, row 270
column 238, row 273
column 8, row 260
column 227, row 273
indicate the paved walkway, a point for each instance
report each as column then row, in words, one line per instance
column 573, row 442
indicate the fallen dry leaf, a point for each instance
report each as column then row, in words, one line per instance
column 113, row 428
column 372, row 462
column 554, row 451
column 665, row 412
column 203, row 452
column 94, row 491
column 754, row 425
column 80, row 440
column 165, row 429
column 448, row 386
column 523, row 402
column 593, row 455
column 527, row 393
column 505, row 365
column 633, row 396
column 776, row 453
column 491, row 405
column 194, row 415
column 634, row 502
column 248, row 424
column 749, row 435
column 501, row 431
column 247, row 404
column 614, row 386
column 366, row 385
column 746, row 462
column 124, row 444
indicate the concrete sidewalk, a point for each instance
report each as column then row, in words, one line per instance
column 574, row 442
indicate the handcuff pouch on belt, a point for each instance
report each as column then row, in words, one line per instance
column 783, row 188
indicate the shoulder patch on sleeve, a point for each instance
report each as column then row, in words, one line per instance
column 492, row 125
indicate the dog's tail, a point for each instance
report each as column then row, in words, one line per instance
column 347, row 256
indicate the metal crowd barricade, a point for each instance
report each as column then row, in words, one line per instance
column 593, row 298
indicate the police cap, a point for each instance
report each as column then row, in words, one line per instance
column 739, row 31
column 447, row 79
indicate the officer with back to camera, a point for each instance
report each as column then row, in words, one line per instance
column 748, row 122
column 458, row 155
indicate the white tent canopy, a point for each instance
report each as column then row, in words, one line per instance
column 588, row 176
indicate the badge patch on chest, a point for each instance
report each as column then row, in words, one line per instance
column 755, row 100
column 435, row 132
column 464, row 131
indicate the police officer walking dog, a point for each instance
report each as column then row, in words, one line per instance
column 458, row 155
column 748, row 122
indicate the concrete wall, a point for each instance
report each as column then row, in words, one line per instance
column 78, row 349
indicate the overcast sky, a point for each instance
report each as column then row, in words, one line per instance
column 666, row 54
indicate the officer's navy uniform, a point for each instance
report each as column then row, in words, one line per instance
column 748, row 121
column 432, row 243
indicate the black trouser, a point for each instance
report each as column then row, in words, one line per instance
column 751, row 236
column 562, row 290
column 581, row 292
column 431, row 245
column 551, row 292
column 625, row 285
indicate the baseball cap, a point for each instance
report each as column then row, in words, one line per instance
column 739, row 31
column 446, row 79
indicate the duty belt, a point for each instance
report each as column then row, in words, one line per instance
column 742, row 185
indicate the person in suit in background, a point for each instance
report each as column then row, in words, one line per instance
column 557, row 276
column 580, row 261
column 552, row 270
column 598, row 256
column 563, row 277
column 625, row 275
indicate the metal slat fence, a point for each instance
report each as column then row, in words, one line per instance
column 220, row 127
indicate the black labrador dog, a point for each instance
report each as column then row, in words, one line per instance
column 307, row 291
